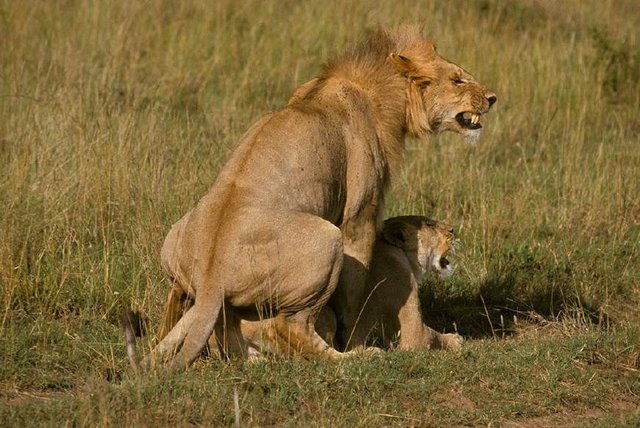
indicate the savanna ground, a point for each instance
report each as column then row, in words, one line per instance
column 115, row 117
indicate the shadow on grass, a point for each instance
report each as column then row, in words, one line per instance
column 498, row 305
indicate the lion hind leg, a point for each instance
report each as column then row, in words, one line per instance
column 296, row 336
column 204, row 316
column 170, row 342
column 192, row 331
column 175, row 307
column 293, row 330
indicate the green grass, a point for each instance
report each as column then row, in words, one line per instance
column 115, row 118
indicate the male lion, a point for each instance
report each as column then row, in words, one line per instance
column 304, row 190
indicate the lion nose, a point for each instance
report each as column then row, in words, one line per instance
column 491, row 98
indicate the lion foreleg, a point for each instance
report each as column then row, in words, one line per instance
column 415, row 334
column 327, row 325
column 229, row 340
column 350, row 292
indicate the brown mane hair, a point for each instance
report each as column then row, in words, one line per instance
column 398, row 106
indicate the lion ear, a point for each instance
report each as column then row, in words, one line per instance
column 395, row 234
column 403, row 65
column 408, row 68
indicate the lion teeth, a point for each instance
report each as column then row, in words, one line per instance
column 475, row 118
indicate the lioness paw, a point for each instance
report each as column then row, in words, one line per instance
column 451, row 341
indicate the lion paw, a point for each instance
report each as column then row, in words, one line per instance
column 372, row 350
column 451, row 341
column 364, row 351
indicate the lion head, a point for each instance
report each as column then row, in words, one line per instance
column 425, row 241
column 408, row 86
column 441, row 96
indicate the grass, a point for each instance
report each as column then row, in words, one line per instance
column 490, row 381
column 115, row 118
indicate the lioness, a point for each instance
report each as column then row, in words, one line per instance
column 297, row 206
column 407, row 249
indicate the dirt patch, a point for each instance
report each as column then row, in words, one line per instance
column 454, row 398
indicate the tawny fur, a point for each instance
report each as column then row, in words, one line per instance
column 296, row 208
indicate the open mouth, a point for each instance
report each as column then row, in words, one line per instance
column 443, row 262
column 468, row 120
column 443, row 267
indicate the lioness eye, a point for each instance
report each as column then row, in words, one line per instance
column 458, row 81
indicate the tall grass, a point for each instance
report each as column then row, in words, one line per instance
column 115, row 117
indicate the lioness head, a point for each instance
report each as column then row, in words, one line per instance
column 441, row 96
column 426, row 242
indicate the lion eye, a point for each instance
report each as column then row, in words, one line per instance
column 458, row 81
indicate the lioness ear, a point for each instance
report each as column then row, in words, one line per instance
column 395, row 234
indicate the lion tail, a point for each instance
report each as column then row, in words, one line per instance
column 129, row 319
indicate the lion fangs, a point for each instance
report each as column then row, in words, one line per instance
column 475, row 118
